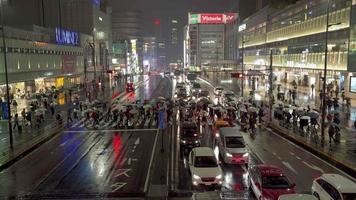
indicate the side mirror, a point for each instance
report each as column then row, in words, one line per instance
column 293, row 185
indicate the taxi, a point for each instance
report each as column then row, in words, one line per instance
column 220, row 123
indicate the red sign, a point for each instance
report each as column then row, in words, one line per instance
column 68, row 64
column 212, row 18
column 230, row 17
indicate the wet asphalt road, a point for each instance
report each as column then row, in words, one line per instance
column 81, row 162
column 300, row 166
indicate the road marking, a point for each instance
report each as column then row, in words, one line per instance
column 274, row 153
column 313, row 167
column 291, row 153
column 279, row 158
column 151, row 159
column 330, row 165
column 137, row 141
column 131, row 160
column 117, row 186
column 289, row 166
column 123, row 172
column 298, row 157
column 113, row 130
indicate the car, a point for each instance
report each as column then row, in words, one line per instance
column 231, row 145
column 228, row 96
column 204, row 168
column 189, row 136
column 130, row 87
column 218, row 91
column 219, row 124
column 195, row 88
column 334, row 186
column 297, row 197
column 269, row 182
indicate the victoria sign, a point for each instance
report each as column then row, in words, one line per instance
column 212, row 18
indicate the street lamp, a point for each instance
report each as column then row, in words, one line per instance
column 242, row 28
column 323, row 107
column 6, row 76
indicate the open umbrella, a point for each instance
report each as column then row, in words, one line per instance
column 252, row 109
column 313, row 114
column 305, row 117
column 334, row 112
column 242, row 109
column 230, row 108
column 161, row 98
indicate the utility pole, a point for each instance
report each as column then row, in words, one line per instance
column 242, row 67
column 6, row 77
column 323, row 107
column 271, row 97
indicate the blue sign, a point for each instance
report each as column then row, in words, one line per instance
column 66, row 37
column 161, row 120
column 5, row 111
column 96, row 2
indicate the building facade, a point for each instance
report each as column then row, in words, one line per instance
column 296, row 37
column 36, row 61
column 204, row 40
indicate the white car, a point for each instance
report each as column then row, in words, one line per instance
column 204, row 168
column 218, row 91
column 297, row 197
column 334, row 187
column 232, row 148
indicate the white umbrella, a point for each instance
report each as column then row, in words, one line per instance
column 161, row 98
column 252, row 109
column 305, row 117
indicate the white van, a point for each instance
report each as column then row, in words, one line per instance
column 232, row 146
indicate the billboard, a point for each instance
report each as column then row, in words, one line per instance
column 212, row 18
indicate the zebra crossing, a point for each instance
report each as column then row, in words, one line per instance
column 107, row 124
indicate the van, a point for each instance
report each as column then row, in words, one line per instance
column 232, row 147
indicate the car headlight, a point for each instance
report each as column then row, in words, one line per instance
column 228, row 154
column 183, row 141
column 199, row 90
column 217, row 135
column 197, row 141
column 245, row 155
column 196, row 176
column 219, row 176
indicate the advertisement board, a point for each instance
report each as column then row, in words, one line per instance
column 194, row 18
column 68, row 64
column 230, row 18
column 353, row 84
column 211, row 18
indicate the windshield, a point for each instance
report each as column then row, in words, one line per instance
column 189, row 132
column 205, row 161
column 349, row 196
column 196, row 85
column 275, row 182
column 234, row 142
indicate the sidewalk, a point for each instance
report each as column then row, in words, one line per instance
column 31, row 138
column 341, row 155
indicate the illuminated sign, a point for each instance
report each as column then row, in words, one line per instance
column 212, row 18
column 194, row 18
column 230, row 17
column 66, row 37
column 353, row 84
column 242, row 27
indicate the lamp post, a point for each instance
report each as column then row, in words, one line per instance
column 323, row 103
column 6, row 77
column 242, row 28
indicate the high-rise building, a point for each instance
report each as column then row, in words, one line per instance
column 204, row 39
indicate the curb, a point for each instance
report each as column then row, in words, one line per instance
column 337, row 163
column 28, row 150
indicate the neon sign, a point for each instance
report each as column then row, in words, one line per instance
column 66, row 37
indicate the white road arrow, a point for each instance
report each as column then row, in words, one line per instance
column 313, row 167
column 137, row 141
column 129, row 162
column 123, row 172
column 117, row 186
